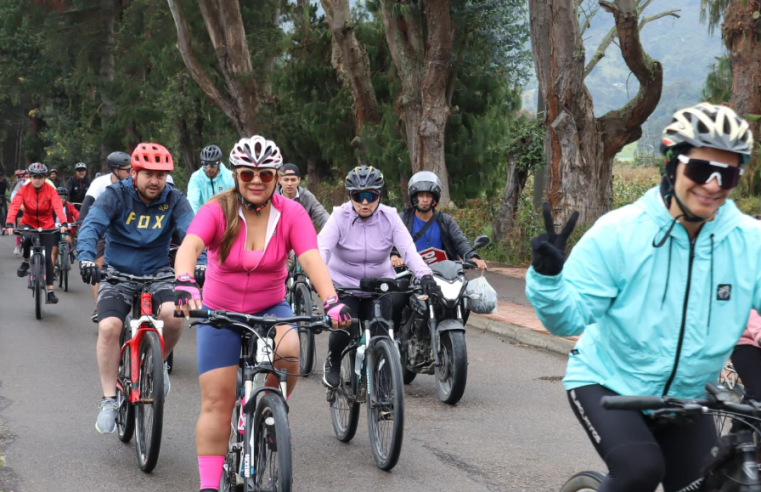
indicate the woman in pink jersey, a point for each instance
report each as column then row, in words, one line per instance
column 248, row 231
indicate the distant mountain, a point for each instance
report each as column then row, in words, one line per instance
column 683, row 46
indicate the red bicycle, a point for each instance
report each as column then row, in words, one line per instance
column 140, row 384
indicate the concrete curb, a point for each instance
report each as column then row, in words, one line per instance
column 526, row 336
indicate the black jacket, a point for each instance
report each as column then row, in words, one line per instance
column 78, row 189
column 456, row 245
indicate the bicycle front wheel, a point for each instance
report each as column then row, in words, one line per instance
column 385, row 407
column 149, row 409
column 302, row 306
column 39, row 285
column 271, row 449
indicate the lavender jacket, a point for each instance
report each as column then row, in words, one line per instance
column 354, row 249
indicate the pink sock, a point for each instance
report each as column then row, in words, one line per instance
column 210, row 469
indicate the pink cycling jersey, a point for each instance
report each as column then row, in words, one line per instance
column 233, row 287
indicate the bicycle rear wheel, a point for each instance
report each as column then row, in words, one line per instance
column 588, row 481
column 230, row 481
column 65, row 266
column 344, row 410
column 385, row 407
column 38, row 288
column 302, row 306
column 149, row 410
column 271, row 451
column 125, row 418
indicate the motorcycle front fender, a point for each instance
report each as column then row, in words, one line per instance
column 450, row 324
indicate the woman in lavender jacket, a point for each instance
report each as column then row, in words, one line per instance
column 355, row 243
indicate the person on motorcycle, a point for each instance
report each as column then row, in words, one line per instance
column 120, row 165
column 247, row 229
column 355, row 243
column 288, row 186
column 71, row 214
column 660, row 292
column 431, row 228
column 137, row 216
column 79, row 184
column 212, row 178
column 40, row 200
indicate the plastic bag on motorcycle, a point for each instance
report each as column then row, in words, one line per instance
column 485, row 299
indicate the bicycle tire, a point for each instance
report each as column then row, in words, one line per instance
column 38, row 289
column 229, row 482
column 125, row 417
column 344, row 410
column 452, row 373
column 302, row 306
column 386, row 404
column 587, row 481
column 63, row 270
column 149, row 410
column 273, row 436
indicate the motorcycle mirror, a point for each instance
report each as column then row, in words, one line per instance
column 481, row 241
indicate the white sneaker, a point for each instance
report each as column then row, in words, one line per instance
column 16, row 251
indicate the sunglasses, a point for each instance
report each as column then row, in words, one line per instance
column 361, row 196
column 38, row 176
column 247, row 175
column 210, row 164
column 125, row 169
column 702, row 172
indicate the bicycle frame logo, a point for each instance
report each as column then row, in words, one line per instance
column 138, row 329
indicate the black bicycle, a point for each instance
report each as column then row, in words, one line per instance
column 140, row 383
column 63, row 262
column 37, row 277
column 299, row 296
column 733, row 467
column 259, row 452
column 371, row 373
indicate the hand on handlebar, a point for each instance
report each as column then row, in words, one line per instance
column 480, row 264
column 338, row 312
column 90, row 272
column 187, row 295
column 396, row 261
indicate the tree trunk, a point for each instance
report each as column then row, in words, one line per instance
column 741, row 36
column 421, row 48
column 540, row 175
column 241, row 99
column 189, row 150
column 313, row 174
column 109, row 12
column 508, row 205
column 580, row 148
column 350, row 59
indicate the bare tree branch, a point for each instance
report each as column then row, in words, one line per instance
column 613, row 34
column 198, row 74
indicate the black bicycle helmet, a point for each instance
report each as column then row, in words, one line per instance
column 80, row 166
column 118, row 159
column 37, row 168
column 62, row 191
column 364, row 178
column 212, row 153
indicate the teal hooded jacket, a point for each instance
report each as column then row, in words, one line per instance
column 658, row 313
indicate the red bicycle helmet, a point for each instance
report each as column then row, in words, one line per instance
column 152, row 156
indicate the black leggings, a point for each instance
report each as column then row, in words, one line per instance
column 747, row 362
column 47, row 241
column 641, row 454
column 392, row 305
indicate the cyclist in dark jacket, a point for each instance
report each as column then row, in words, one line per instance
column 78, row 185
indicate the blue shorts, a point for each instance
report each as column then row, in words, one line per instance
column 218, row 348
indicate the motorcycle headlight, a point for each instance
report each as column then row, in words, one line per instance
column 450, row 291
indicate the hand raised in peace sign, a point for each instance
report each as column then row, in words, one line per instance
column 548, row 248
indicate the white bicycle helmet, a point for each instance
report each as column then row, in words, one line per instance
column 708, row 125
column 256, row 152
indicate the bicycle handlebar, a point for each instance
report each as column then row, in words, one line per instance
column 316, row 324
column 113, row 277
column 39, row 230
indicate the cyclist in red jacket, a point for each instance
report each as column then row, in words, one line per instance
column 39, row 199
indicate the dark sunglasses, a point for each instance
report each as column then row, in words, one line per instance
column 702, row 172
column 127, row 169
column 247, row 175
column 361, row 196
column 210, row 164
column 38, row 176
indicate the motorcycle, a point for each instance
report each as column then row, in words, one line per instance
column 432, row 338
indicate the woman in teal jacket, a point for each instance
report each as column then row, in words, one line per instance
column 660, row 292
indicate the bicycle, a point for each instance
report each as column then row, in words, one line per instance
column 140, row 382
column 370, row 365
column 299, row 296
column 37, row 278
column 63, row 262
column 733, row 466
column 259, row 451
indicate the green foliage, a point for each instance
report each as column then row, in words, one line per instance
column 718, row 84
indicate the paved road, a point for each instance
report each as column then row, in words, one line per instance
column 513, row 431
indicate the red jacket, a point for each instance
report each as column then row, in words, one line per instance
column 72, row 214
column 38, row 206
